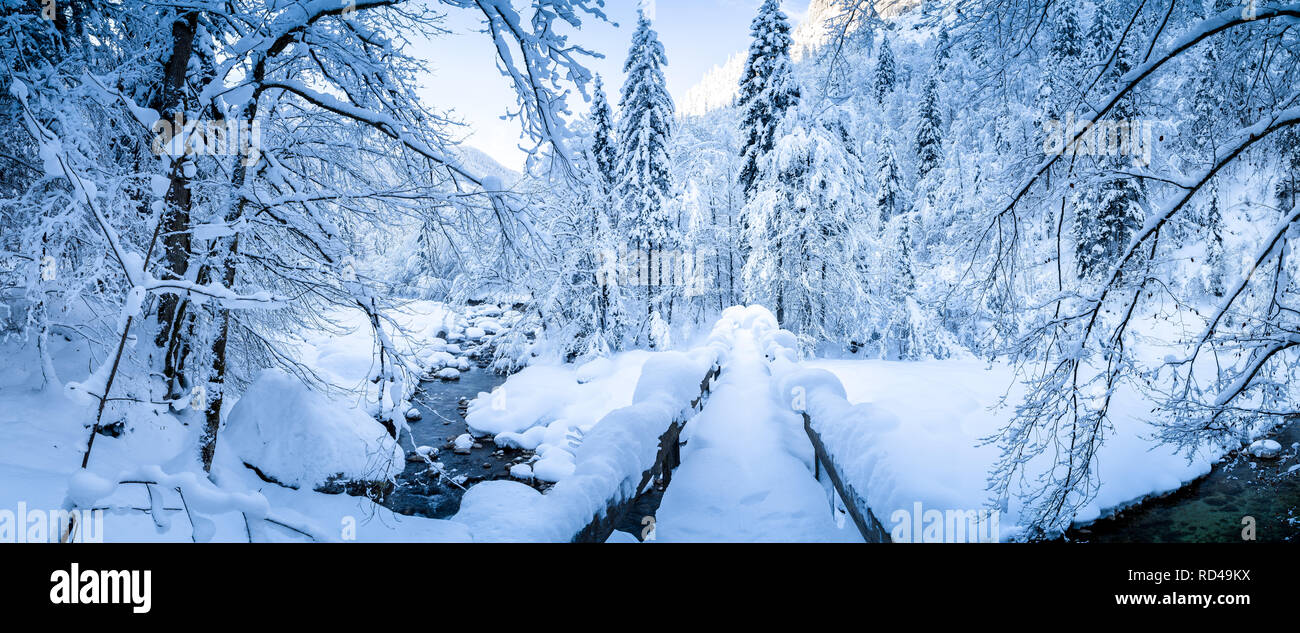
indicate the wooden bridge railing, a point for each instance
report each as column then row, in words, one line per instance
column 668, row 458
column 825, row 468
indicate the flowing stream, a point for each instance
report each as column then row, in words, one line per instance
column 1219, row 506
column 436, row 492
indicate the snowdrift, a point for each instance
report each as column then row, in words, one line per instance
column 300, row 438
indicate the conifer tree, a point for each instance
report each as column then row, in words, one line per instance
column 1214, row 256
column 604, row 154
column 767, row 88
column 1108, row 210
column 929, row 132
column 644, row 176
column 889, row 199
column 886, row 73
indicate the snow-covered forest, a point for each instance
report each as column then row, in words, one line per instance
column 1027, row 260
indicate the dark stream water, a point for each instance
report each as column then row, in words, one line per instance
column 1212, row 509
column 430, row 492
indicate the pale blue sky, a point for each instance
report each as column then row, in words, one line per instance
column 697, row 35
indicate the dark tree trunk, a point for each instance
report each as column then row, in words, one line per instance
column 176, row 214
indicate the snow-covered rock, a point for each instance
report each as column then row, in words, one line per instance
column 528, row 440
column 413, row 414
column 301, row 438
column 522, row 471
column 448, row 373
column 475, row 333
column 1265, row 449
column 433, row 361
column 462, row 444
column 490, row 326
column 555, row 467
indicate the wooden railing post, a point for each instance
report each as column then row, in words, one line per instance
column 870, row 528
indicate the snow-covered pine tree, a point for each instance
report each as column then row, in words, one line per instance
column 644, row 175
column 942, row 50
column 1108, row 210
column 1064, row 51
column 603, row 152
column 889, row 186
column 886, row 72
column 1058, row 97
column 1215, row 264
column 602, row 245
column 802, row 258
column 1061, row 66
column 902, row 334
column 1207, row 111
column 767, row 88
column 929, row 131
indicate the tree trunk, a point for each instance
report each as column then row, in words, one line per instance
column 225, row 249
column 176, row 214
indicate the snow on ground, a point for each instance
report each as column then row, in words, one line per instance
column 911, row 436
column 922, row 425
column 550, row 407
column 745, row 473
column 301, row 439
column 43, row 436
column 42, row 440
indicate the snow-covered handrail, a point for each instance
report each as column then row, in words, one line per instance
column 667, row 459
column 819, row 397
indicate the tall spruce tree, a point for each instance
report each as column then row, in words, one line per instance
column 1065, row 50
column 644, row 177
column 1108, row 211
column 604, row 162
column 889, row 188
column 603, row 152
column 1215, row 264
column 767, row 88
column 886, row 72
column 929, row 131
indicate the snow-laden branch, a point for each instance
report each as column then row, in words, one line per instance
column 1228, row 19
column 58, row 164
column 378, row 120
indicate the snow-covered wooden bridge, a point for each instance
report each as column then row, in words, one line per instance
column 732, row 426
